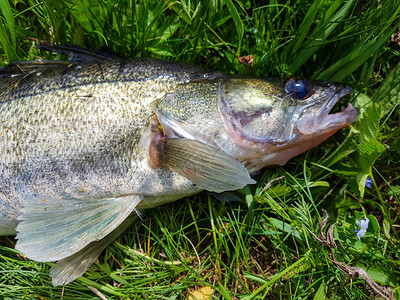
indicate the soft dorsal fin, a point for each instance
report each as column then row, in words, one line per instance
column 53, row 229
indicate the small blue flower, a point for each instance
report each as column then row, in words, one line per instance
column 368, row 183
column 363, row 228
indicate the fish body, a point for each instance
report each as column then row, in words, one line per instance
column 81, row 132
column 86, row 145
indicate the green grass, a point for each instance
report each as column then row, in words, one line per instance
column 260, row 248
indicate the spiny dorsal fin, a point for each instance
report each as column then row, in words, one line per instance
column 75, row 55
column 81, row 54
column 25, row 68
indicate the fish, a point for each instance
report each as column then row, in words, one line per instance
column 88, row 143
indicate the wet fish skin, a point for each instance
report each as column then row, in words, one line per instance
column 85, row 145
column 82, row 125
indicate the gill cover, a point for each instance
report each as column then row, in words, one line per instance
column 257, row 112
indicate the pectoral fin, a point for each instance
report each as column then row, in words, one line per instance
column 74, row 266
column 205, row 166
column 53, row 229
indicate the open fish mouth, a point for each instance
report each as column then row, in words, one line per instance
column 345, row 117
column 323, row 121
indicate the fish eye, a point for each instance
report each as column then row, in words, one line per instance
column 298, row 88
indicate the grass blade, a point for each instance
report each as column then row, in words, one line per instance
column 320, row 35
column 8, row 46
column 8, row 15
column 238, row 22
column 351, row 62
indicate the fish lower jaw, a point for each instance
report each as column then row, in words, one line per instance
column 328, row 122
column 280, row 155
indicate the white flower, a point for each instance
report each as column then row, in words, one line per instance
column 363, row 228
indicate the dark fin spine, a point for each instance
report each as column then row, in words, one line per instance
column 80, row 54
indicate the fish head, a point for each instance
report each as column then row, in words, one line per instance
column 278, row 120
column 259, row 122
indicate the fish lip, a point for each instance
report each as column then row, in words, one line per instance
column 341, row 91
column 347, row 115
column 324, row 121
